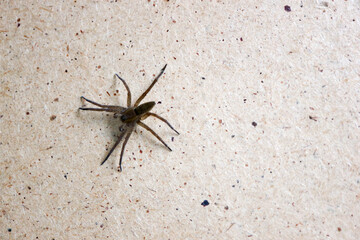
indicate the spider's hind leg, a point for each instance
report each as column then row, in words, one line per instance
column 149, row 88
column 161, row 118
column 153, row 133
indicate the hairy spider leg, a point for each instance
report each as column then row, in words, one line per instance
column 113, row 148
column 149, row 88
column 105, row 108
column 99, row 109
column 123, row 148
column 153, row 133
column 159, row 117
column 128, row 91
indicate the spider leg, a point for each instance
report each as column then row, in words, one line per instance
column 100, row 109
column 161, row 118
column 123, row 148
column 113, row 148
column 149, row 88
column 95, row 103
column 128, row 90
column 153, row 133
column 113, row 107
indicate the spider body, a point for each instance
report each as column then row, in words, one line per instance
column 131, row 116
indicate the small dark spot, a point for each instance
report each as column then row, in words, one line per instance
column 287, row 8
column 66, row 70
column 232, row 136
column 18, row 25
column 27, row 113
column 339, row 229
column 254, row 124
column 226, row 207
column 172, row 139
column 29, row 187
column 324, row 4
column 56, row 99
column 9, row 230
column 205, row 203
column 313, row 118
column 159, row 102
column 52, row 118
column 18, row 20
column 202, row 78
column 65, row 175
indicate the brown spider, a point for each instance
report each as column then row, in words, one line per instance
column 131, row 116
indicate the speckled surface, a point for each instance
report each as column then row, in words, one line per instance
column 266, row 99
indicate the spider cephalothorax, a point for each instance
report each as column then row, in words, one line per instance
column 131, row 116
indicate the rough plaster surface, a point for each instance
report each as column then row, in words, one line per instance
column 266, row 100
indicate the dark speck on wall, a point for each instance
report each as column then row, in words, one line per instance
column 313, row 118
column 254, row 124
column 205, row 203
column 287, row 8
column 9, row 229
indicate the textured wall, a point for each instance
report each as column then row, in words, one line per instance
column 266, row 99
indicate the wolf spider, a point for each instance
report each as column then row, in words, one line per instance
column 131, row 116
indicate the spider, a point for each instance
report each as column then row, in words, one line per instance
column 131, row 116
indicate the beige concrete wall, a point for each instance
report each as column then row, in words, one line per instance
column 266, row 101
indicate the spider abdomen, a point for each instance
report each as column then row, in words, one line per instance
column 130, row 114
column 144, row 108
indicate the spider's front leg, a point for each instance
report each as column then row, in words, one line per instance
column 104, row 108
